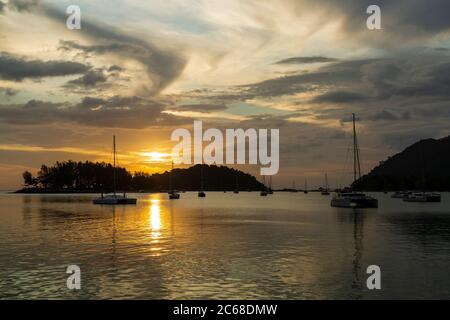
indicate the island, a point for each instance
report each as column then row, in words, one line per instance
column 95, row 177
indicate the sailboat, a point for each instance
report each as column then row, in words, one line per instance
column 114, row 198
column 173, row 195
column 326, row 192
column 305, row 191
column 351, row 199
column 201, row 193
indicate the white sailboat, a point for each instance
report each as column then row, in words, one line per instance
column 351, row 199
column 114, row 198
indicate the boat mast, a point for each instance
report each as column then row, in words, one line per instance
column 326, row 182
column 356, row 164
column 170, row 178
column 114, row 164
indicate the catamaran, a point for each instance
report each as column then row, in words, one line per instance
column 351, row 199
column 114, row 198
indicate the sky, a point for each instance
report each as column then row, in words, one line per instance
column 141, row 69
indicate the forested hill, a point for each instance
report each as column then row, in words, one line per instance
column 89, row 176
column 425, row 165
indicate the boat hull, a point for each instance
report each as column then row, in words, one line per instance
column 423, row 198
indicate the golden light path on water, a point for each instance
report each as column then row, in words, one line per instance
column 155, row 224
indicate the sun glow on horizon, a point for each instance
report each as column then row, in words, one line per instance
column 153, row 157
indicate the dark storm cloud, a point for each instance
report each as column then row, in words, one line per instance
column 305, row 60
column 357, row 81
column 383, row 116
column 17, row 68
column 91, row 79
column 339, row 97
column 342, row 73
column 116, row 112
column 2, row 6
column 163, row 66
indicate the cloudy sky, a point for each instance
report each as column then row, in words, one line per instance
column 139, row 69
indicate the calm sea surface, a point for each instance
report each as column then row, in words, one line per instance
column 226, row 246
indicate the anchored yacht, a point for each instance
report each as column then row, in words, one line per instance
column 114, row 198
column 351, row 199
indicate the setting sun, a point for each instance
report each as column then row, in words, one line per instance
column 155, row 156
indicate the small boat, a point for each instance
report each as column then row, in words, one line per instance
column 326, row 192
column 114, row 198
column 423, row 197
column 201, row 194
column 399, row 194
column 351, row 199
column 173, row 195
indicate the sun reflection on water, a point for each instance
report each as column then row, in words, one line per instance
column 155, row 215
column 155, row 222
